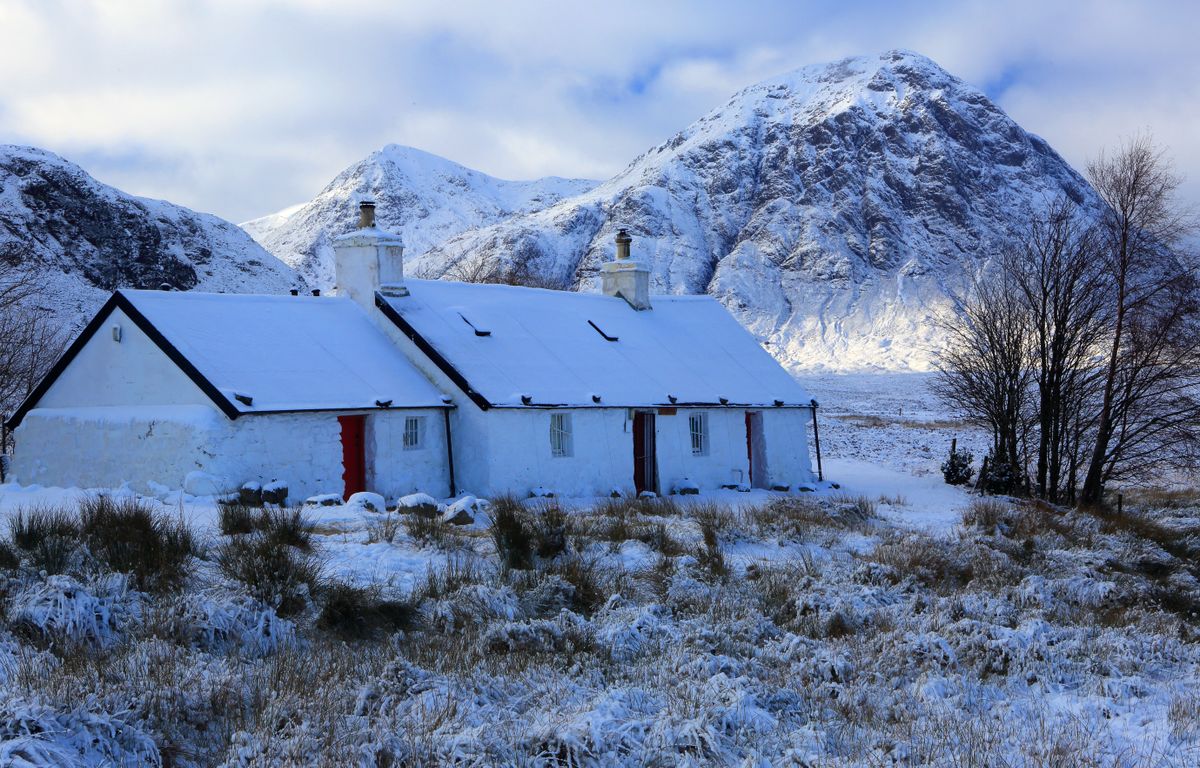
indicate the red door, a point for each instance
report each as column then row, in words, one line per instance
column 354, row 463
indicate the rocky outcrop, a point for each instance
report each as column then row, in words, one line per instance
column 86, row 239
column 833, row 210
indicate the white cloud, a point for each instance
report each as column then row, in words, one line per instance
column 245, row 106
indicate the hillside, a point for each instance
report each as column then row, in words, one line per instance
column 425, row 198
column 833, row 209
column 86, row 238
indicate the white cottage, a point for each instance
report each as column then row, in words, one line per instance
column 401, row 385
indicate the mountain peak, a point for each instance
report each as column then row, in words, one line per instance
column 833, row 209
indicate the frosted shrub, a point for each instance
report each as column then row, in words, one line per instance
column 235, row 518
column 985, row 514
column 512, row 533
column 288, row 527
column 127, row 536
column 354, row 612
column 33, row 735
column 223, row 623
column 63, row 610
column 853, row 511
column 549, row 530
column 48, row 536
column 429, row 530
column 274, row 572
column 929, row 561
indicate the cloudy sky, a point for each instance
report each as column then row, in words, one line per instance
column 242, row 107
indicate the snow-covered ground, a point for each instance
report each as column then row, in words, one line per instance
column 869, row 624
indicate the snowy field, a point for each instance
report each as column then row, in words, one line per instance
column 892, row 621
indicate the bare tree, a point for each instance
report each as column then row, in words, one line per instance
column 481, row 268
column 984, row 369
column 30, row 340
column 1148, row 412
column 1063, row 290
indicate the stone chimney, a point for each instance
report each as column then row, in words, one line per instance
column 368, row 260
column 625, row 277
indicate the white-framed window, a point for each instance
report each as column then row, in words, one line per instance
column 698, row 426
column 561, row 444
column 414, row 433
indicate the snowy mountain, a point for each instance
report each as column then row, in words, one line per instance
column 86, row 238
column 832, row 209
column 425, row 198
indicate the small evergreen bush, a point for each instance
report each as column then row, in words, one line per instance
column 957, row 467
column 1001, row 479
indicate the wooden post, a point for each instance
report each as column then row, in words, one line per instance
column 817, row 440
column 953, row 446
column 979, row 483
column 1120, row 504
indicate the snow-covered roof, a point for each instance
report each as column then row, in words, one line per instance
column 518, row 346
column 286, row 353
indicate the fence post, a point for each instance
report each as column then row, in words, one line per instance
column 980, row 483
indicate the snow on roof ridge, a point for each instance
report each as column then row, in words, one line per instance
column 133, row 293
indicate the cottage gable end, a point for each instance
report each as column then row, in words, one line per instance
column 121, row 359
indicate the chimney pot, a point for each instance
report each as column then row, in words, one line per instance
column 623, row 240
column 366, row 215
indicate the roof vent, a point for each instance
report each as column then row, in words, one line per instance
column 366, row 215
column 243, row 399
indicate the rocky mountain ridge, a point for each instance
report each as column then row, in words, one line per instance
column 85, row 239
column 425, row 198
column 835, row 210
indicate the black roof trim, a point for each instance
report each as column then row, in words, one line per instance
column 352, row 409
column 430, row 352
column 119, row 301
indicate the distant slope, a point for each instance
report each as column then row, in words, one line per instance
column 426, row 198
column 832, row 209
column 86, row 238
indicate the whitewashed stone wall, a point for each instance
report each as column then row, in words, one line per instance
column 394, row 471
column 788, row 458
column 106, row 447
